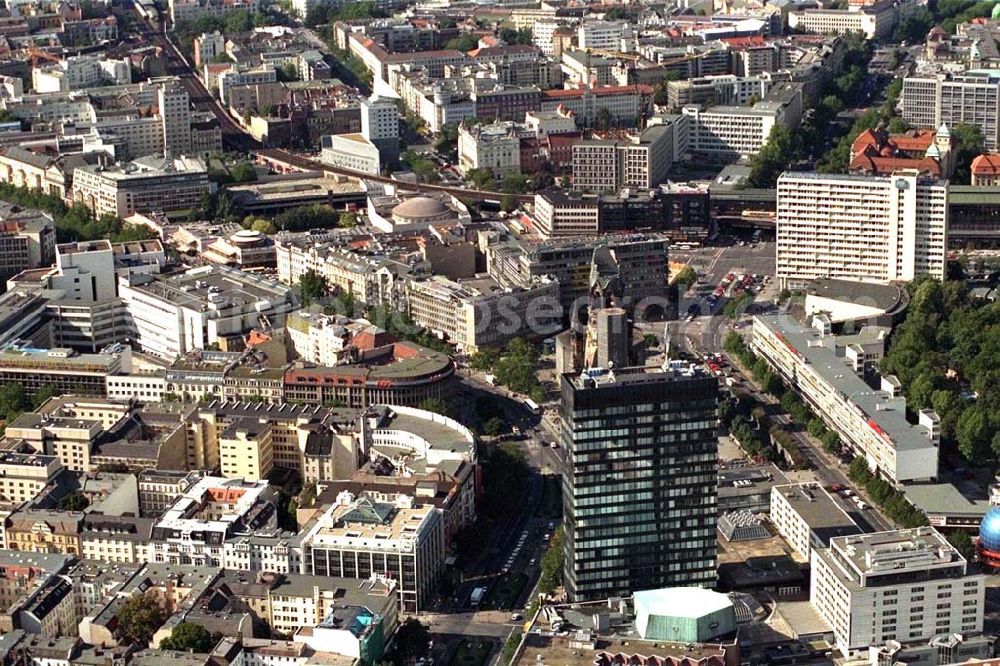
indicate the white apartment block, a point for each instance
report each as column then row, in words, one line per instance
column 641, row 161
column 350, row 151
column 840, row 22
column 873, row 423
column 175, row 115
column 730, row 133
column 865, row 228
column 24, row 475
column 494, row 147
column 235, row 77
column 182, row 11
column 604, row 36
column 906, row 585
column 77, row 72
column 972, row 98
column 807, row 517
column 559, row 215
column 370, row 280
column 542, row 33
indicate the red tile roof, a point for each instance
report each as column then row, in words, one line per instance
column 987, row 164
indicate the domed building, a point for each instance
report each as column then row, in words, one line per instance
column 422, row 210
column 989, row 538
column 398, row 212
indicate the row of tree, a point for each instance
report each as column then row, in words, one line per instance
column 946, row 354
column 515, row 367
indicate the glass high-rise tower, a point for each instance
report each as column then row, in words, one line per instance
column 639, row 491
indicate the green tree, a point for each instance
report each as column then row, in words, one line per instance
column 495, row 426
column 973, row 433
column 436, row 405
column 968, row 142
column 552, row 564
column 75, row 501
column 244, row 172
column 412, row 640
column 264, row 226
column 962, row 542
column 781, row 149
column 139, row 617
column 481, row 179
column 603, row 119
column 515, row 183
column 463, row 43
column 312, row 286
column 13, row 401
column 651, row 341
column 189, row 636
column 347, row 220
column 687, row 276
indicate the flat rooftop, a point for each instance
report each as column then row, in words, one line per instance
column 819, row 352
column 824, row 516
column 221, row 287
column 884, row 297
column 438, row 433
column 884, row 552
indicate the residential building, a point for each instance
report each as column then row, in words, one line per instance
column 145, row 185
column 193, row 528
column 868, row 228
column 496, row 147
column 827, row 371
column 648, row 519
column 973, row 97
column 906, row 585
column 624, row 104
column 358, row 538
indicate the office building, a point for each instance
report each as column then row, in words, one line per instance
column 639, row 491
column 867, row 228
column 973, row 97
column 726, row 134
column 479, row 312
column 350, row 151
column 171, row 316
column 62, row 369
column 605, row 36
column 873, row 22
column 144, row 185
column 359, row 537
column 906, row 585
column 24, row 475
column 641, row 161
column 27, row 239
column 828, row 372
column 807, row 517
column 175, row 115
column 496, row 147
column 380, row 126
